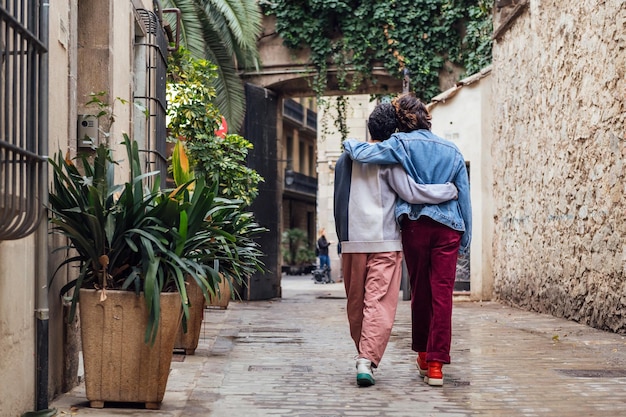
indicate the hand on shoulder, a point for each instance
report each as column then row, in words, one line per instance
column 349, row 141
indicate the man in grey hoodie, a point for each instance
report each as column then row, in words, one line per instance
column 364, row 207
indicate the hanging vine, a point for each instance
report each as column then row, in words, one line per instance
column 352, row 36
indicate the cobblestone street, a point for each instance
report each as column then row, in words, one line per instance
column 294, row 357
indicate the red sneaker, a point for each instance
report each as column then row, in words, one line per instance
column 421, row 363
column 434, row 377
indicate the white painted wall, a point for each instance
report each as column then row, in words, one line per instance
column 17, row 326
column 464, row 119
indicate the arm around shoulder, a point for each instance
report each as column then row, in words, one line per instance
column 414, row 193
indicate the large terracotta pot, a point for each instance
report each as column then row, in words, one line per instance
column 189, row 341
column 119, row 365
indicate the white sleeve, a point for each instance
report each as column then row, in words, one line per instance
column 415, row 193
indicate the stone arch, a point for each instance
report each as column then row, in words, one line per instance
column 290, row 73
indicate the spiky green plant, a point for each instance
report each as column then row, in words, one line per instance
column 232, row 249
column 129, row 237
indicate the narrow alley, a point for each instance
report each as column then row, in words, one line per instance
column 294, row 357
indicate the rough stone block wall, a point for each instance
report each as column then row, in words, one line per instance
column 559, row 151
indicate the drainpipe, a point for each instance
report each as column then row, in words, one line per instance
column 42, row 312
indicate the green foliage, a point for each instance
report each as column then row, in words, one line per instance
column 479, row 31
column 193, row 117
column 221, row 161
column 231, row 246
column 225, row 33
column 190, row 93
column 127, row 236
column 419, row 35
column 295, row 247
column 224, row 161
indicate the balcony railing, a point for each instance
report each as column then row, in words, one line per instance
column 305, row 118
column 293, row 110
column 311, row 119
column 301, row 184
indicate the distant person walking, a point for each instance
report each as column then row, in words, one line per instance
column 432, row 234
column 364, row 208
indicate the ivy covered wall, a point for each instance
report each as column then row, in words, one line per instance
column 430, row 40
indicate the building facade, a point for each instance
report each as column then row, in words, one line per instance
column 299, row 148
column 54, row 58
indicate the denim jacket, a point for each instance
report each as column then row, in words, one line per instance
column 428, row 159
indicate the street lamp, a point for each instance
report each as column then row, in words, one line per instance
column 405, row 80
column 289, row 176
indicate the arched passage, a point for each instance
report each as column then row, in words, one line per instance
column 290, row 73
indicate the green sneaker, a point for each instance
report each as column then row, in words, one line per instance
column 364, row 375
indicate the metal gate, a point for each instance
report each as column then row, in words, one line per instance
column 260, row 129
column 23, row 172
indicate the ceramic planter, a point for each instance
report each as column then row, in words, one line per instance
column 119, row 365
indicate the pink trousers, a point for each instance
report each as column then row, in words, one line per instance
column 431, row 251
column 372, row 282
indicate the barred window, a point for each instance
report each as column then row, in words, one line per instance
column 23, row 118
column 150, row 78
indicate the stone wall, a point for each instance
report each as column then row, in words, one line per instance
column 559, row 148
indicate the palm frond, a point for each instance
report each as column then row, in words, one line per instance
column 224, row 32
column 190, row 29
column 244, row 24
column 229, row 92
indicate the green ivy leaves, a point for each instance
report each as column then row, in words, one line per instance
column 420, row 35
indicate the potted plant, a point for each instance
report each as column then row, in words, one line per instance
column 298, row 258
column 233, row 252
column 134, row 248
column 203, row 148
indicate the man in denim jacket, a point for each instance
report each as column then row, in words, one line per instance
column 432, row 234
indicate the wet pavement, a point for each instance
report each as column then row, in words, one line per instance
column 294, row 357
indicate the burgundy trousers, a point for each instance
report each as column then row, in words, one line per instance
column 431, row 251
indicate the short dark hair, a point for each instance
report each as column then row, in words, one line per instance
column 411, row 113
column 382, row 122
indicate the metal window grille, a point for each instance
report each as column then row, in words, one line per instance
column 23, row 169
column 155, row 49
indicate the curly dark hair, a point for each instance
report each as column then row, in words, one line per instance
column 382, row 122
column 411, row 113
